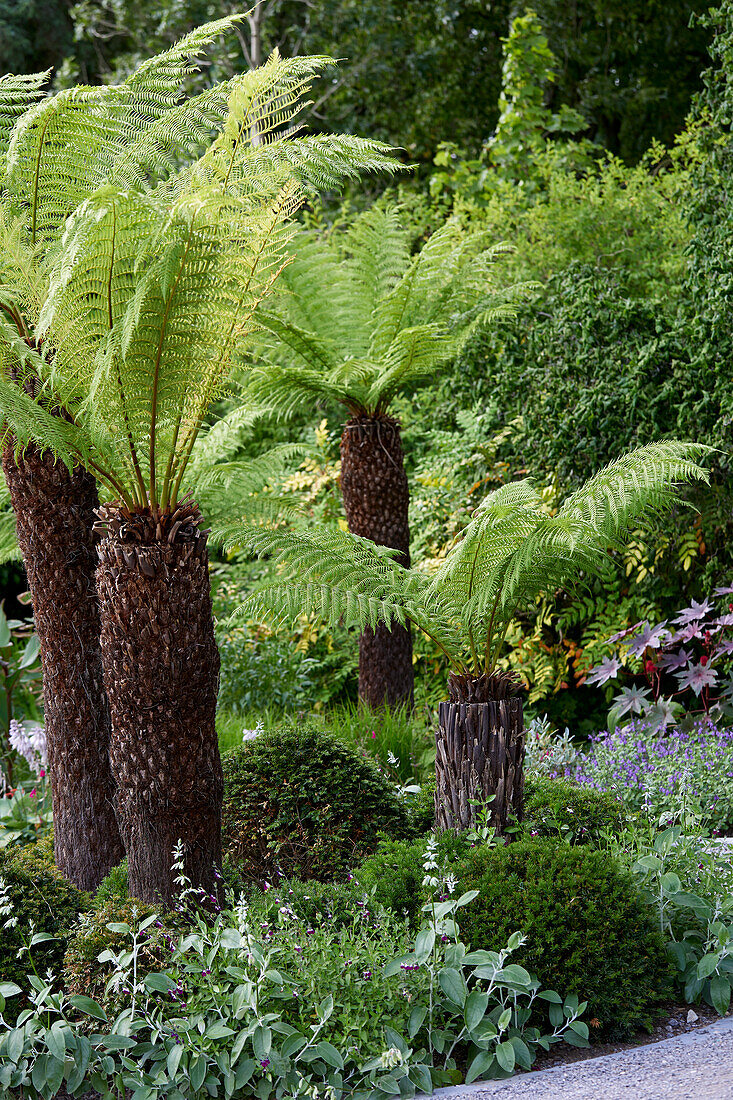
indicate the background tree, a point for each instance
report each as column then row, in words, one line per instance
column 417, row 74
column 151, row 292
column 360, row 322
column 55, row 151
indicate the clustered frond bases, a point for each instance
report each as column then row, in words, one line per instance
column 150, row 288
column 512, row 551
column 360, row 319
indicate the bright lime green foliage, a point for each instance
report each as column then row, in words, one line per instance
column 511, row 551
column 130, row 281
column 361, row 319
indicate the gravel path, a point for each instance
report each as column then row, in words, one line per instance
column 696, row 1066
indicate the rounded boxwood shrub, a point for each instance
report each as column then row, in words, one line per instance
column 421, row 809
column 561, row 808
column 114, row 887
column 300, row 803
column 588, row 930
column 37, row 895
column 392, row 877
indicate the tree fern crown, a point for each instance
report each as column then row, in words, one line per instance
column 139, row 231
column 357, row 318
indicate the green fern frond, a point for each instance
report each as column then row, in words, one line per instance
column 390, row 320
column 9, row 549
column 509, row 553
column 17, row 95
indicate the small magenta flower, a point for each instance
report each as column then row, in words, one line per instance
column 265, row 1063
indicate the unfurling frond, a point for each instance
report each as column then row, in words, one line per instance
column 360, row 299
column 510, row 552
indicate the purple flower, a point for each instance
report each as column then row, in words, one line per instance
column 723, row 591
column 607, row 670
column 725, row 620
column 697, row 677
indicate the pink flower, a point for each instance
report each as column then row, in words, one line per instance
column 33, row 793
column 373, row 735
column 41, row 774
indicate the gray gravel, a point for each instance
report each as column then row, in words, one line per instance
column 696, row 1066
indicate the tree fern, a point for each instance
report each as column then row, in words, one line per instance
column 510, row 552
column 150, row 288
column 359, row 319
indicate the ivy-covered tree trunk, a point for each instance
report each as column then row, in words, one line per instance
column 376, row 499
column 480, row 747
column 161, row 671
column 54, row 513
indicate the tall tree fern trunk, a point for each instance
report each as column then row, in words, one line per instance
column 54, row 512
column 161, row 671
column 376, row 499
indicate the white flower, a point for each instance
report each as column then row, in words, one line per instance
column 249, row 735
column 29, row 743
column 391, row 1058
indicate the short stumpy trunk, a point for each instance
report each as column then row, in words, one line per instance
column 479, row 760
column 161, row 671
column 54, row 512
column 376, row 501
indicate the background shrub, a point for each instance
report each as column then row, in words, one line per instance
column 588, row 930
column 38, row 895
column 561, row 808
column 301, row 803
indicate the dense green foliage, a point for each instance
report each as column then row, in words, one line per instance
column 298, row 802
column 587, row 929
column 36, row 900
column 84, row 973
column 417, row 73
column 393, row 875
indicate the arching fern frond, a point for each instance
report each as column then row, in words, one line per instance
column 510, row 552
column 17, row 95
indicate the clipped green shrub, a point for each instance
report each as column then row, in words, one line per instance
column 421, row 809
column 84, row 973
column 39, row 900
column 561, row 808
column 588, row 929
column 392, row 877
column 300, row 803
column 114, row 887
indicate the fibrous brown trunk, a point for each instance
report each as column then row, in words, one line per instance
column 54, row 512
column 161, row 671
column 479, row 759
column 376, row 500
